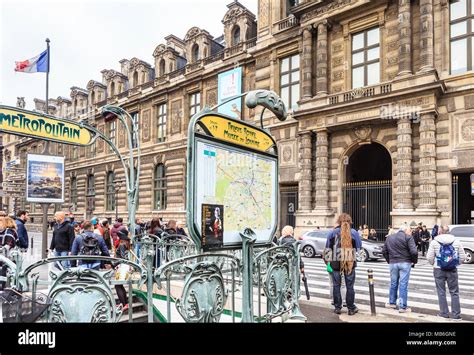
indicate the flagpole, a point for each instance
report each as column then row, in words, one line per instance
column 47, row 77
column 45, row 206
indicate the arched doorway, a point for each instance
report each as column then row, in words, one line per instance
column 367, row 190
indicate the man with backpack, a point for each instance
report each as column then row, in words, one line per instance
column 89, row 244
column 446, row 253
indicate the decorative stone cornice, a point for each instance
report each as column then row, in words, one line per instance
column 92, row 84
column 135, row 62
column 75, row 91
column 236, row 11
column 324, row 8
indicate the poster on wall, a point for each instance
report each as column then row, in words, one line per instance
column 212, row 233
column 45, row 179
column 230, row 84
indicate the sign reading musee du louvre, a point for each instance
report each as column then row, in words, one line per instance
column 36, row 125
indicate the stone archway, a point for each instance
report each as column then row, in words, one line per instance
column 367, row 187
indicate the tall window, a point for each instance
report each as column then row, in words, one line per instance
column 135, row 78
column 92, row 150
column 90, row 185
column 235, row 35
column 462, row 35
column 161, row 123
column 74, row 152
column 159, row 188
column 290, row 80
column 112, row 89
column 195, row 53
column 162, row 67
column 134, row 136
column 73, row 195
column 194, row 103
column 112, row 132
column 110, row 192
column 366, row 58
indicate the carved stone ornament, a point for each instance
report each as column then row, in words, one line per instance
column 467, row 130
column 363, row 133
column 193, row 32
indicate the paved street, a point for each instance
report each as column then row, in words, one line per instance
column 422, row 296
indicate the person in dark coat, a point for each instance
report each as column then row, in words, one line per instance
column 288, row 239
column 21, row 219
column 425, row 237
column 63, row 237
column 401, row 253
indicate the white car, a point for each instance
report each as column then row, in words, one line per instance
column 465, row 234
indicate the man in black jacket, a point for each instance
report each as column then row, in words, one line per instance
column 63, row 237
column 401, row 253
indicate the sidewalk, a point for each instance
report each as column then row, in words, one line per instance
column 318, row 312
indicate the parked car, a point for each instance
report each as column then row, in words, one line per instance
column 465, row 234
column 314, row 242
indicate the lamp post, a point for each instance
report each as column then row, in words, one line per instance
column 117, row 187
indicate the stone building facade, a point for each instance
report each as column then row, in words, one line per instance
column 381, row 98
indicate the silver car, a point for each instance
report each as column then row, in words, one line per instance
column 314, row 242
column 465, row 234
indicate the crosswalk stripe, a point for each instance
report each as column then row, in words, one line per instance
column 384, row 292
column 386, row 277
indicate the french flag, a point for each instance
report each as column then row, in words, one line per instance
column 37, row 64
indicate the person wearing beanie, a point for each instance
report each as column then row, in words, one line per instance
column 123, row 270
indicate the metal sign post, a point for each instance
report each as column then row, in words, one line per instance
column 232, row 184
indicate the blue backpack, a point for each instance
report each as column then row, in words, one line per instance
column 448, row 258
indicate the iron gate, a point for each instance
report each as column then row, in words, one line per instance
column 454, row 187
column 369, row 202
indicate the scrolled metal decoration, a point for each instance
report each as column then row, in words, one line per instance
column 269, row 100
column 204, row 294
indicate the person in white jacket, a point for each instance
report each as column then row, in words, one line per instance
column 443, row 277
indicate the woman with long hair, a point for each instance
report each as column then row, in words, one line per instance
column 155, row 227
column 342, row 244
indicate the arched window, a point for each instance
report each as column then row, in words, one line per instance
column 159, row 188
column 235, row 35
column 143, row 78
column 73, row 194
column 135, row 78
column 112, row 89
column 92, row 98
column 162, row 67
column 195, row 53
column 110, row 192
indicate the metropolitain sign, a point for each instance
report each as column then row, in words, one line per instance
column 238, row 133
column 36, row 125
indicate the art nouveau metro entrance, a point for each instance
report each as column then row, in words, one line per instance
column 367, row 190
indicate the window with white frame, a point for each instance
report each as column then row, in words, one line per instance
column 366, row 58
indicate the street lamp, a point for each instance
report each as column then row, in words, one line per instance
column 117, row 186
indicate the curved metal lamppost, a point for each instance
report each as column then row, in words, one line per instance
column 131, row 179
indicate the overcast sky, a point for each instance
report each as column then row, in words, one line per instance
column 88, row 36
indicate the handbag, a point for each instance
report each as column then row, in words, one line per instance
column 122, row 272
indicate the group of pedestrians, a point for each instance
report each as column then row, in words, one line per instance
column 368, row 234
column 401, row 248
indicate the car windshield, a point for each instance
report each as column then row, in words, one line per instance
column 318, row 234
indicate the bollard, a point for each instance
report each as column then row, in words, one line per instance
column 370, row 275
column 31, row 247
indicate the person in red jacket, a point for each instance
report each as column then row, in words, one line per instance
column 118, row 225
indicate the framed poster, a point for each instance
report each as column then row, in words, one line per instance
column 212, row 234
column 45, row 179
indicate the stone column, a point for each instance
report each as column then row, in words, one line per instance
column 305, row 178
column 426, row 35
column 307, row 62
column 321, row 176
column 404, row 190
column 427, row 195
column 322, row 59
column 404, row 26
